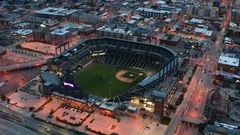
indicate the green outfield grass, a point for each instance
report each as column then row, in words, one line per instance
column 100, row 80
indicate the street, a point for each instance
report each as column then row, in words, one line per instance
column 196, row 95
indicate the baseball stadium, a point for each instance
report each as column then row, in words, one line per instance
column 114, row 68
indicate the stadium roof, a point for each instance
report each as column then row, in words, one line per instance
column 85, row 41
column 159, row 94
column 50, row 77
column 107, row 107
column 149, row 80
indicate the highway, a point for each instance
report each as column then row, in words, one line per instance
column 196, row 95
column 34, row 63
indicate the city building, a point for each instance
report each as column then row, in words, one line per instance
column 202, row 12
column 236, row 16
column 23, row 33
column 216, row 3
column 36, row 20
column 237, row 2
column 159, row 107
column 228, row 62
column 169, row 39
column 220, row 130
column 214, row 13
column 62, row 33
column 218, row 106
column 6, row 19
column 81, row 17
column 234, row 113
column 122, row 31
column 55, row 37
column 59, row 14
column 189, row 9
column 159, row 98
column 162, row 13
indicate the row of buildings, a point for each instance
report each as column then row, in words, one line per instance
column 211, row 13
column 61, row 34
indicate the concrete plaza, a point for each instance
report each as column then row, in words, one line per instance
column 20, row 100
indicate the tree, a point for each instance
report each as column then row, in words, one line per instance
column 154, row 7
column 31, row 108
column 51, row 112
column 184, row 89
column 170, row 107
column 8, row 100
column 165, row 120
column 3, row 97
column 33, row 115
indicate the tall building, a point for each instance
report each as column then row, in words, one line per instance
column 206, row 12
column 213, row 13
column 216, row 3
column 189, row 9
column 201, row 12
column 236, row 16
column 237, row 2
column 159, row 107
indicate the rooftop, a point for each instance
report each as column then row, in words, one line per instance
column 50, row 77
column 194, row 20
column 60, row 31
column 155, row 11
column 159, row 94
column 56, row 11
column 23, row 32
column 222, row 130
column 107, row 107
column 228, row 59
column 170, row 37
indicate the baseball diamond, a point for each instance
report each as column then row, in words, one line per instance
column 104, row 80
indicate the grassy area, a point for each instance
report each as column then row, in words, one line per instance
column 100, row 80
